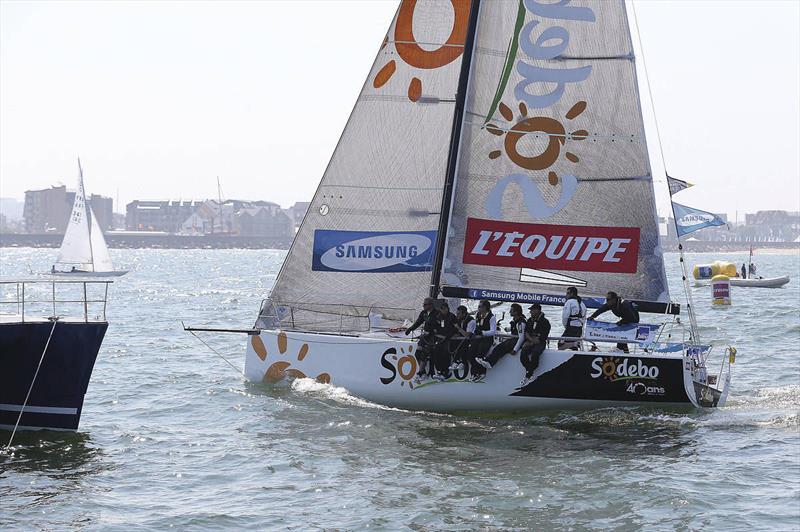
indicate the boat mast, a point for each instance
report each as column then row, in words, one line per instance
column 87, row 211
column 452, row 156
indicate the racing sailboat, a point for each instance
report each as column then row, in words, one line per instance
column 496, row 151
column 84, row 251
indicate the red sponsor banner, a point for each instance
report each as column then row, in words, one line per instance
column 553, row 247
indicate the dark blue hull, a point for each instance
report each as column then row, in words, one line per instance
column 56, row 400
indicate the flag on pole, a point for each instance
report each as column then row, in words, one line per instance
column 676, row 185
column 688, row 219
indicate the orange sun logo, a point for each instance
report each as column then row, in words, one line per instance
column 281, row 369
column 551, row 128
column 609, row 367
column 412, row 54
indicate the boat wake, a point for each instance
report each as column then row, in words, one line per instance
column 335, row 393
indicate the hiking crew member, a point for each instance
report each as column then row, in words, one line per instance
column 537, row 329
column 572, row 317
column 426, row 338
column 622, row 309
column 509, row 345
column 485, row 329
column 466, row 328
column 444, row 329
column 744, row 271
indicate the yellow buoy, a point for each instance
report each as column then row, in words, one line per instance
column 718, row 267
column 721, row 290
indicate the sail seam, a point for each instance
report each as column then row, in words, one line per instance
column 437, row 44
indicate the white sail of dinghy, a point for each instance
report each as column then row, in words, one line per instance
column 76, row 247
column 101, row 262
column 84, row 250
column 496, row 151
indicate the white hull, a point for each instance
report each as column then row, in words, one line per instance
column 381, row 369
column 772, row 282
column 79, row 273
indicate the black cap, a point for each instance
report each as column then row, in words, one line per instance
column 535, row 305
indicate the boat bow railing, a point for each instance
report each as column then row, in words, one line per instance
column 69, row 299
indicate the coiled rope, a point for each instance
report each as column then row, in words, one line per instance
column 33, row 381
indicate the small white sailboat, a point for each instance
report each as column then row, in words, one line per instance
column 84, row 251
column 496, row 151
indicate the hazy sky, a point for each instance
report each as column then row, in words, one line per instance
column 160, row 98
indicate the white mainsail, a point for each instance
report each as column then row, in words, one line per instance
column 84, row 245
column 554, row 184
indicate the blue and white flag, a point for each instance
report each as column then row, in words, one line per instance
column 676, row 185
column 688, row 219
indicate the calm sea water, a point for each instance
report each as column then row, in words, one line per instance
column 172, row 437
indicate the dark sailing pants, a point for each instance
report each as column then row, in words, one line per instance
column 529, row 356
column 621, row 346
column 423, row 354
column 459, row 349
column 478, row 348
column 500, row 350
column 571, row 331
column 441, row 357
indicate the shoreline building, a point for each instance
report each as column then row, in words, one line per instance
column 47, row 210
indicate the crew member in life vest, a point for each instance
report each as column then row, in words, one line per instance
column 572, row 317
column 485, row 329
column 426, row 338
column 466, row 329
column 537, row 329
column 621, row 308
column 509, row 345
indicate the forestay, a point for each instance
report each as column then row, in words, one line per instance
column 368, row 240
column 554, row 186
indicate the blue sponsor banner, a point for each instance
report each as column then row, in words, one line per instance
column 628, row 332
column 373, row 251
column 526, row 297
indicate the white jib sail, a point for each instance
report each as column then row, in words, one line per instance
column 76, row 247
column 366, row 245
column 102, row 260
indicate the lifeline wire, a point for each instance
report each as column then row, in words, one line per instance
column 218, row 354
column 30, row 389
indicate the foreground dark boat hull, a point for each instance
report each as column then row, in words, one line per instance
column 56, row 400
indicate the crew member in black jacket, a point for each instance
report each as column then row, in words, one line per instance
column 426, row 338
column 445, row 327
column 621, row 308
column 537, row 329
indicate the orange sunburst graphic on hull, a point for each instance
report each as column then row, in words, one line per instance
column 550, row 127
column 410, row 51
column 281, row 369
